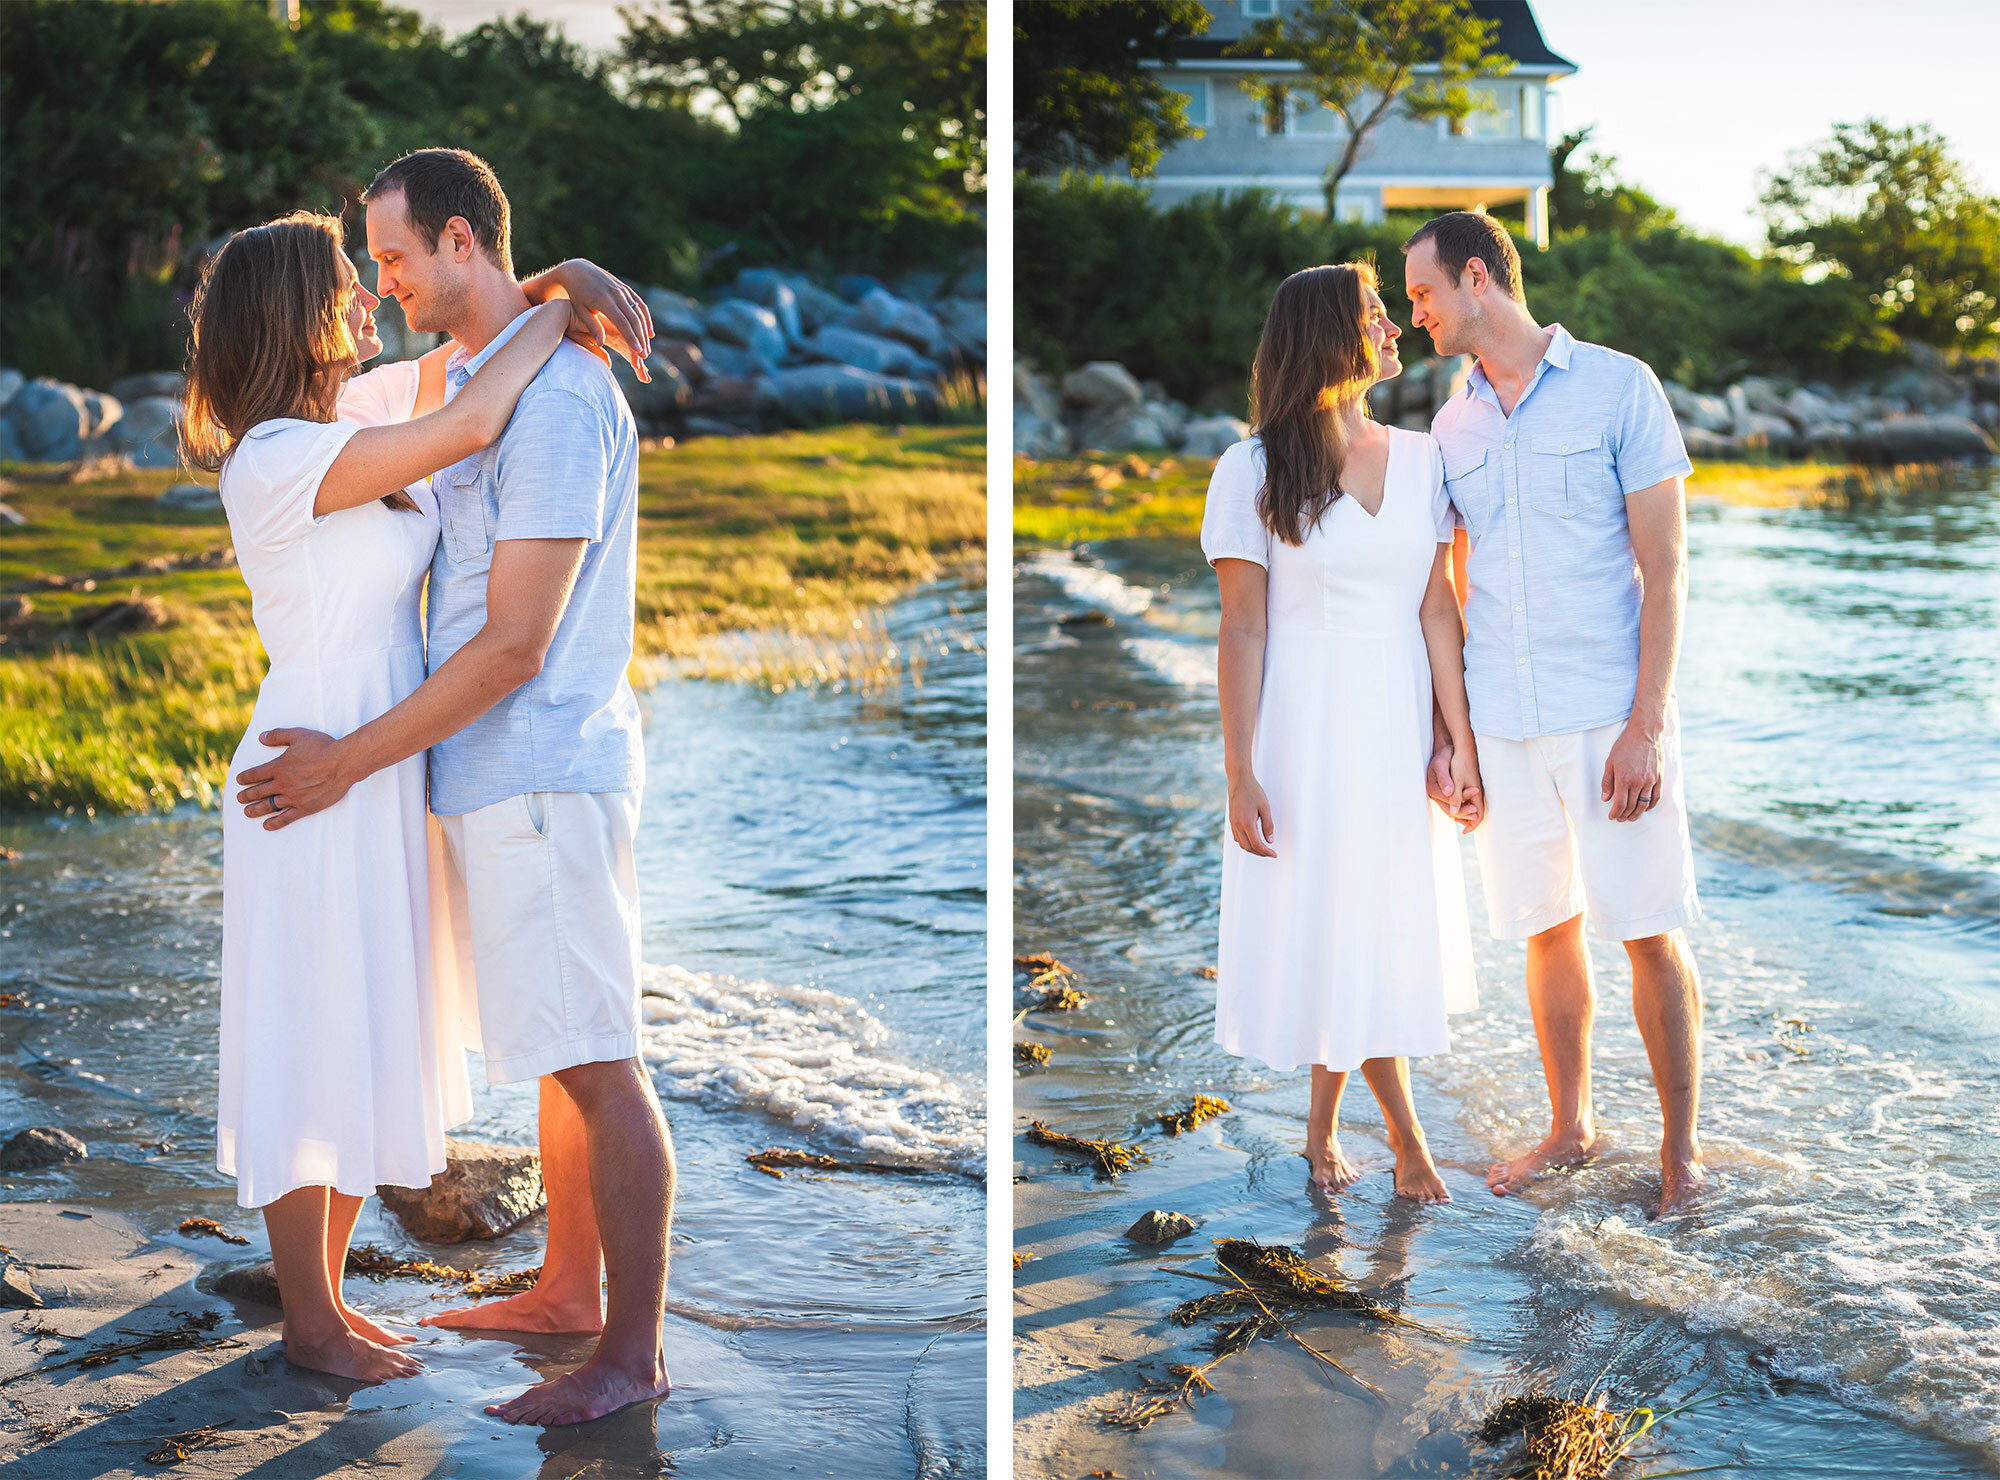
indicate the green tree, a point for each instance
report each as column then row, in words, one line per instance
column 1361, row 59
column 1593, row 198
column 1081, row 96
column 1891, row 209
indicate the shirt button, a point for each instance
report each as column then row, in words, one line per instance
column 1524, row 660
column 1519, row 608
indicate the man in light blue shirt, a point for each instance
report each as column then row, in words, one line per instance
column 1564, row 466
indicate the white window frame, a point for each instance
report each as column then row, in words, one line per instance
column 1258, row 10
column 1444, row 124
column 1201, row 97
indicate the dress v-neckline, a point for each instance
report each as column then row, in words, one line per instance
column 1376, row 512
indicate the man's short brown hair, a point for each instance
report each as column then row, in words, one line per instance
column 1459, row 236
column 437, row 184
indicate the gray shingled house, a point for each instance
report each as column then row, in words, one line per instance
column 1498, row 158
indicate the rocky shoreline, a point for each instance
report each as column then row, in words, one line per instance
column 1928, row 410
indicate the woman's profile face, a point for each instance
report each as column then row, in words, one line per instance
column 1382, row 334
column 361, row 306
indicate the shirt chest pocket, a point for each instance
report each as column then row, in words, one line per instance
column 1468, row 479
column 1565, row 473
column 468, row 499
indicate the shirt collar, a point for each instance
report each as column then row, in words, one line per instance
column 1555, row 357
column 459, row 367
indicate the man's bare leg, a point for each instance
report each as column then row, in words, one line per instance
column 1666, row 999
column 568, row 1296
column 632, row 1188
column 1563, row 1002
column 1331, row 1170
column 315, row 1335
column 1416, row 1174
column 341, row 1211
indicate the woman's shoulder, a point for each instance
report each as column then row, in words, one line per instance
column 272, row 449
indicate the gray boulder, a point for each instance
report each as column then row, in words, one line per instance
column 669, row 389
column 864, row 351
column 970, row 282
column 964, row 321
column 40, row 1146
column 733, row 361
column 10, row 382
column 768, row 287
column 190, row 496
column 675, row 316
column 882, row 312
column 483, row 1192
column 1923, row 389
column 922, row 284
column 1101, row 385
column 149, row 432
column 257, row 1283
column 1701, row 442
column 157, row 383
column 1692, row 409
column 749, row 325
column 105, row 413
column 1119, row 429
column 1905, row 439
column 10, row 443
column 1211, row 436
column 50, row 419
column 817, row 307
column 1762, row 395
column 1038, row 424
column 812, row 394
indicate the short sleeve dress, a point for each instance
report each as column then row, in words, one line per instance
column 344, row 1018
column 1353, row 943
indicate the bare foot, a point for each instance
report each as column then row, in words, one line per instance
column 1566, row 1150
column 593, row 1390
column 1331, row 1170
column 1417, row 1179
column 1681, row 1181
column 367, row 1330
column 346, row 1355
column 530, row 1312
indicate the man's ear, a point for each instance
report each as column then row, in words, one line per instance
column 1476, row 270
column 459, row 240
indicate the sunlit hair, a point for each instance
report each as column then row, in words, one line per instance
column 270, row 334
column 1313, row 363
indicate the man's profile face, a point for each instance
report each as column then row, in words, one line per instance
column 422, row 276
column 1445, row 310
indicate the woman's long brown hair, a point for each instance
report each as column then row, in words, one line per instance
column 1312, row 362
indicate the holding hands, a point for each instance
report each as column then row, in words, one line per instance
column 1453, row 783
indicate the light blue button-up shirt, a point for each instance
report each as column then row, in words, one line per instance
column 566, row 467
column 1552, row 615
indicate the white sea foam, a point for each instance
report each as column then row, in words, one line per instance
column 1090, row 584
column 1178, row 662
column 812, row 1059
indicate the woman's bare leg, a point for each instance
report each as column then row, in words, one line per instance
column 1416, row 1174
column 1331, row 1170
column 315, row 1334
column 341, row 1211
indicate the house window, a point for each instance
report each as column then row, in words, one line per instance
column 1277, row 113
column 1196, row 91
column 1257, row 10
column 1531, row 112
column 1313, row 119
column 1498, row 116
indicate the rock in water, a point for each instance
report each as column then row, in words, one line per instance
column 41, row 1146
column 258, row 1282
column 1158, row 1227
column 482, row 1193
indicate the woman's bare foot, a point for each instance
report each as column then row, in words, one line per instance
column 367, row 1330
column 1417, row 1178
column 593, row 1390
column 533, row 1311
column 1569, row 1149
column 344, row 1354
column 1331, row 1170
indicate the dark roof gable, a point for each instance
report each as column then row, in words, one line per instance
column 1518, row 37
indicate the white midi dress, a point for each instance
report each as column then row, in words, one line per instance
column 344, row 1017
column 1353, row 943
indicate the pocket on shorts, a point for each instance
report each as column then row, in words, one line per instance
column 1559, row 473
column 535, row 809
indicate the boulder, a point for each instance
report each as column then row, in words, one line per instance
column 149, row 432
column 10, row 381
column 881, row 312
column 1118, row 429
column 49, row 419
column 970, row 282
column 733, row 362
column 1211, row 436
column 922, row 284
column 864, row 351
column 708, row 426
column 1171, row 417
column 10, row 443
column 813, row 394
column 1038, row 423
column 675, row 316
column 1101, row 385
column 768, row 287
column 123, row 618
column 669, row 390
column 1701, row 442
column 817, row 307
column 1922, row 390
column 964, row 321
column 253, row 1282
column 1159, row 1227
column 749, row 325
column 855, row 286
column 190, row 496
column 104, row 411
column 736, row 398
column 1694, row 410
column 40, row 1146
column 1762, row 395
column 1906, row 439
column 155, row 383
column 1808, row 409
column 482, row 1193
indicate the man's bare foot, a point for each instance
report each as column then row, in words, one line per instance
column 1417, row 1179
column 1681, row 1181
column 367, row 1330
column 593, row 1390
column 1569, row 1149
column 346, row 1355
column 533, row 1311
column 1331, row 1170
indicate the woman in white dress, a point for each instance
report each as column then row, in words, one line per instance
column 1345, row 940
column 343, row 1027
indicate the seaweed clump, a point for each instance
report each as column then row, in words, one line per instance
column 1055, row 981
column 1276, row 1279
column 372, row 1263
column 1562, row 1438
column 1109, row 1157
column 1205, row 1107
column 209, row 1228
column 190, row 1333
column 177, row 1447
column 779, row 1160
column 1031, row 1054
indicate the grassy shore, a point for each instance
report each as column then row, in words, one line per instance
column 1104, row 496
column 800, row 535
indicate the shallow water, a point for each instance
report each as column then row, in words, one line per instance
column 1838, row 693
column 812, row 882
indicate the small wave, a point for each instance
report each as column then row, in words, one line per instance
column 1178, row 662
column 810, row 1058
column 1090, row 584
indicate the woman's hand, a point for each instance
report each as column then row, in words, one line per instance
column 607, row 313
column 1250, row 818
column 1469, row 809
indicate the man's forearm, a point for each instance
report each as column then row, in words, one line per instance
column 1661, row 606
column 470, row 682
